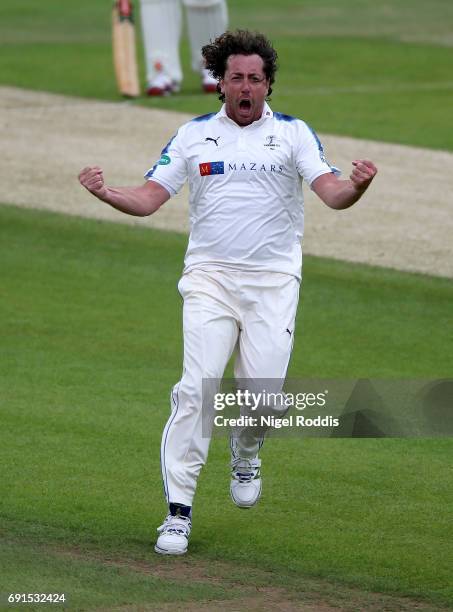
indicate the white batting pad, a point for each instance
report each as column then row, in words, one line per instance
column 206, row 19
column 202, row 3
column 161, row 26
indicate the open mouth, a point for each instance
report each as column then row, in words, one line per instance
column 245, row 105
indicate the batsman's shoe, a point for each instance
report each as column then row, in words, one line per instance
column 245, row 487
column 161, row 85
column 208, row 82
column 173, row 535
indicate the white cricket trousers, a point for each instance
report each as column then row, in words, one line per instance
column 224, row 310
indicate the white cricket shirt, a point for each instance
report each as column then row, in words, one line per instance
column 246, row 203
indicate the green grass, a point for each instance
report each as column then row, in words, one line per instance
column 89, row 584
column 362, row 321
column 91, row 345
column 359, row 68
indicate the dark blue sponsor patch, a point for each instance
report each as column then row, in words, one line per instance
column 208, row 168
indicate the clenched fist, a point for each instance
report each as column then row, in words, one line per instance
column 92, row 178
column 363, row 173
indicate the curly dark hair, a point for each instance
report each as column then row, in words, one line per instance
column 239, row 42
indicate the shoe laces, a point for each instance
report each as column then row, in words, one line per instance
column 245, row 470
column 178, row 525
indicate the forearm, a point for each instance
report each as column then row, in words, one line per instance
column 343, row 195
column 136, row 201
column 339, row 194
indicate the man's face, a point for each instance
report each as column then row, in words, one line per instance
column 245, row 87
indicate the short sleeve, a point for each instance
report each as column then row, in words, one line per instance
column 310, row 159
column 170, row 170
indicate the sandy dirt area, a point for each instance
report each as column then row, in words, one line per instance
column 404, row 222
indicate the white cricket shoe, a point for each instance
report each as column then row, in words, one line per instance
column 245, row 487
column 161, row 85
column 208, row 82
column 173, row 535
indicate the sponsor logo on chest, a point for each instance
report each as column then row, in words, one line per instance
column 209, row 168
column 219, row 167
column 255, row 167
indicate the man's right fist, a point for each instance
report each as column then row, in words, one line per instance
column 92, row 179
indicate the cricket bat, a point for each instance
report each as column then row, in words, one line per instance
column 124, row 53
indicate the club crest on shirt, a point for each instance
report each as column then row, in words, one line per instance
column 208, row 168
column 164, row 160
column 272, row 142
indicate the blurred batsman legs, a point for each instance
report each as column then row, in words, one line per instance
column 161, row 25
column 206, row 19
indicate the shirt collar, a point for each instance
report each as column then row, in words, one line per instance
column 267, row 114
